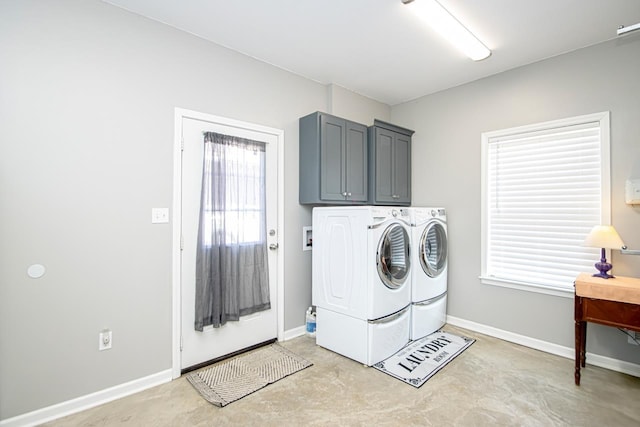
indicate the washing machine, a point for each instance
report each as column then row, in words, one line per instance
column 361, row 280
column 429, row 278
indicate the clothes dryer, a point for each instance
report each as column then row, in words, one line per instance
column 429, row 255
column 361, row 280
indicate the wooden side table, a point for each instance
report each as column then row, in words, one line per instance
column 611, row 302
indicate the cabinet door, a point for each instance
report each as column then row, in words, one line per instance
column 402, row 169
column 332, row 161
column 383, row 166
column 356, row 162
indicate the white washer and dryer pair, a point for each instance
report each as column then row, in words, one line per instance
column 429, row 277
column 361, row 280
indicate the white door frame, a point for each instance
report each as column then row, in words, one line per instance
column 180, row 114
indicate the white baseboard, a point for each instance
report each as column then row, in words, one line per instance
column 295, row 332
column 568, row 352
column 82, row 403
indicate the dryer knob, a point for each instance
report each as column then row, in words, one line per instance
column 394, row 213
column 434, row 213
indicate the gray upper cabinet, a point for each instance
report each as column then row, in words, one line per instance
column 389, row 164
column 333, row 160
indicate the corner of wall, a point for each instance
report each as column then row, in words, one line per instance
column 353, row 106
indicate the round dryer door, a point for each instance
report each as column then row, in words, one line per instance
column 393, row 256
column 433, row 249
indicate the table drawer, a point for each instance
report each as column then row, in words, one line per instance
column 611, row 313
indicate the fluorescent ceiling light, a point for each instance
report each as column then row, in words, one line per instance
column 438, row 18
column 623, row 30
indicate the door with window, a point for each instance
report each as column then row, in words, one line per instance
column 240, row 222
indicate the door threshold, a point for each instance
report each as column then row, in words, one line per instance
column 226, row 356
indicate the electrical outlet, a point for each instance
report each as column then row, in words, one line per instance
column 105, row 339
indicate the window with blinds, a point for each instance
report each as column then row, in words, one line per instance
column 544, row 187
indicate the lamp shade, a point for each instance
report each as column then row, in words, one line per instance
column 603, row 236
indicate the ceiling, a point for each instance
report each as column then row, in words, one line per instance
column 377, row 48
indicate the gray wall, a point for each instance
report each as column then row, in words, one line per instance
column 87, row 102
column 446, row 171
column 350, row 105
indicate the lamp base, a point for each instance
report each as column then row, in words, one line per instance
column 603, row 275
column 603, row 267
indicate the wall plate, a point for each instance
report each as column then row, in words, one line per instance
column 159, row 215
column 307, row 238
column 632, row 192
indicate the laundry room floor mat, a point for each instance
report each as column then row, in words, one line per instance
column 421, row 359
column 235, row 378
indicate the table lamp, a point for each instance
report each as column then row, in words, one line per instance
column 603, row 237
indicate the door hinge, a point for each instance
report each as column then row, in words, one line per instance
column 181, row 343
column 182, row 143
column 181, row 243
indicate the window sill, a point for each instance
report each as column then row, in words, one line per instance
column 529, row 287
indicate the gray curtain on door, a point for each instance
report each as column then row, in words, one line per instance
column 231, row 259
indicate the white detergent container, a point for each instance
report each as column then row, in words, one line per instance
column 311, row 322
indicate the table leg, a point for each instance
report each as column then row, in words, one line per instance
column 578, row 345
column 583, row 348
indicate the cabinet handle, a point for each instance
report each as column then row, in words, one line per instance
column 349, row 194
column 395, row 196
column 344, row 194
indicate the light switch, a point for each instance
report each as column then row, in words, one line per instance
column 159, row 215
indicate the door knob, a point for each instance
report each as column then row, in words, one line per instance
column 273, row 246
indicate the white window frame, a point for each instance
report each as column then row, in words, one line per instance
column 605, row 203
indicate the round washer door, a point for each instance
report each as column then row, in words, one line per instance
column 433, row 249
column 393, row 256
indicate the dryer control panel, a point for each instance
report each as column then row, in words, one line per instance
column 438, row 212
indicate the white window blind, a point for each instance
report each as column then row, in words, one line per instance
column 543, row 189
